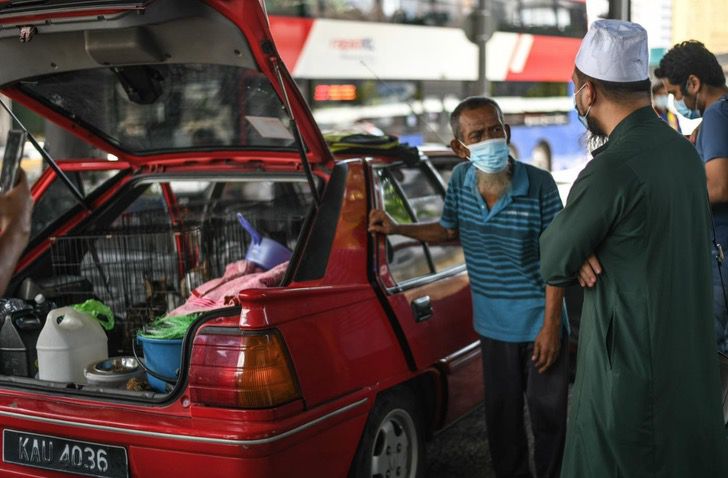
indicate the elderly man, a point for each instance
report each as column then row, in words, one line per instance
column 636, row 233
column 498, row 207
column 15, row 211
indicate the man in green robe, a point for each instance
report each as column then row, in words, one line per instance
column 636, row 234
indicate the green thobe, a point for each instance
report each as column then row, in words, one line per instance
column 646, row 401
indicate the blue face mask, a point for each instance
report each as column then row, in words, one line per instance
column 489, row 156
column 683, row 109
column 582, row 118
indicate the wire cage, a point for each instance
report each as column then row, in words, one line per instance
column 137, row 274
column 142, row 269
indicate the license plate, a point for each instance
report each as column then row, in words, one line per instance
column 60, row 454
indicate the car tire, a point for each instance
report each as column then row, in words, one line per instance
column 392, row 445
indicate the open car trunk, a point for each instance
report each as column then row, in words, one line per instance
column 168, row 246
column 189, row 95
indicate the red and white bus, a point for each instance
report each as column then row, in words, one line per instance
column 400, row 67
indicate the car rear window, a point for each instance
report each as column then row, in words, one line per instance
column 146, row 109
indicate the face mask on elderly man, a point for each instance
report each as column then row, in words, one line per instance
column 489, row 156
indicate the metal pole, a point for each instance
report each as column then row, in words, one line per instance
column 620, row 9
column 483, row 32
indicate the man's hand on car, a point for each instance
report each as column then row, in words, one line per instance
column 589, row 272
column 381, row 222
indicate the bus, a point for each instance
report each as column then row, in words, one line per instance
column 400, row 67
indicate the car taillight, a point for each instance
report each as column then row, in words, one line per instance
column 235, row 368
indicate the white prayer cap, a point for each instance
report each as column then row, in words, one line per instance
column 614, row 50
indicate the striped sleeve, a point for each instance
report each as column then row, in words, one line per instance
column 449, row 218
column 550, row 202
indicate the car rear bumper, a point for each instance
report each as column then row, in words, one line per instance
column 322, row 444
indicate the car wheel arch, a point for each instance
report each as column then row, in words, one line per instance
column 426, row 392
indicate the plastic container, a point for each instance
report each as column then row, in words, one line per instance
column 263, row 251
column 113, row 372
column 69, row 342
column 21, row 325
column 162, row 357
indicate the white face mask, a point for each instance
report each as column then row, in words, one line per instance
column 660, row 101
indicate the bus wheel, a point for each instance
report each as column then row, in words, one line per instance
column 393, row 440
column 541, row 156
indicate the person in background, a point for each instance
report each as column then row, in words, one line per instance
column 498, row 207
column 659, row 102
column 694, row 77
column 635, row 233
column 15, row 211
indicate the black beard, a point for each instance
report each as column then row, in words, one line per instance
column 595, row 137
column 594, row 128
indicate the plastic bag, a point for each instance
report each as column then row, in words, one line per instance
column 99, row 311
column 168, row 327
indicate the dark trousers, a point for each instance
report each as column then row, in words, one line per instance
column 509, row 374
column 720, row 281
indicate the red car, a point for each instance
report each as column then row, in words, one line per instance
column 326, row 351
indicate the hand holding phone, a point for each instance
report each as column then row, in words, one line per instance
column 11, row 159
column 16, row 206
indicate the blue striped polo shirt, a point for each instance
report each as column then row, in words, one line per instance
column 501, row 248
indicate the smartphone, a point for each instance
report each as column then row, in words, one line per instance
column 11, row 159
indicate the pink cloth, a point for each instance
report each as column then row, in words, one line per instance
column 224, row 290
column 232, row 271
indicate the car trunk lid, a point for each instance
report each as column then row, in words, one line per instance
column 154, row 81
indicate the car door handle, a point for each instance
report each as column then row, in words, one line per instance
column 422, row 308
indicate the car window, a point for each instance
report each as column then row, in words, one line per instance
column 58, row 199
column 174, row 235
column 147, row 212
column 444, row 167
column 145, row 109
column 418, row 188
column 276, row 208
column 447, row 256
column 422, row 197
column 407, row 258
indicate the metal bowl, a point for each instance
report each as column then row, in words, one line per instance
column 115, row 366
column 113, row 372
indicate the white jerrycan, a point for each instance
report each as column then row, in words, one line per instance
column 70, row 340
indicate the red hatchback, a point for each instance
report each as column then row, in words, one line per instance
column 308, row 346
